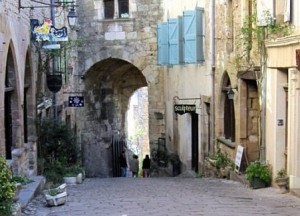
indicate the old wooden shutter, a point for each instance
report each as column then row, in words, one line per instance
column 193, row 36
column 175, row 40
column 162, row 43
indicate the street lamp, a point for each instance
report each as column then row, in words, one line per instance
column 72, row 18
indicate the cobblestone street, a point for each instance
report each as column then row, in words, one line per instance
column 167, row 197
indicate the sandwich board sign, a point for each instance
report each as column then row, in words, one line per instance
column 238, row 157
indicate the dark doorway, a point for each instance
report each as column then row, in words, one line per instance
column 195, row 138
column 118, row 145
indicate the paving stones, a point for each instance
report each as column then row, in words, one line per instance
column 167, row 196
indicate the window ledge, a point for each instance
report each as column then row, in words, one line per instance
column 226, row 142
column 118, row 20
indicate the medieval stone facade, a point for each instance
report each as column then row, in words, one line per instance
column 187, row 53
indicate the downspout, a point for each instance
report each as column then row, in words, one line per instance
column 52, row 2
column 213, row 68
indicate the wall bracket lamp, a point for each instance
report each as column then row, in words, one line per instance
column 230, row 93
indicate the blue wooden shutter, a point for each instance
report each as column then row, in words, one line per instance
column 175, row 40
column 193, row 36
column 162, row 43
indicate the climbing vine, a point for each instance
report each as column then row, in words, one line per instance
column 252, row 41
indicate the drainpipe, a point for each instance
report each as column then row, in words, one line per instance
column 213, row 67
column 52, row 2
column 263, row 63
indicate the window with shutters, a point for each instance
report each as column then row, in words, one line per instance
column 181, row 39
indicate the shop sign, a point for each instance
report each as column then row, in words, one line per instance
column 184, row 108
column 76, row 101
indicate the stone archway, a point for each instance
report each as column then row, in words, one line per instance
column 108, row 85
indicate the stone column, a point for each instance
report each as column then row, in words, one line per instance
column 116, row 9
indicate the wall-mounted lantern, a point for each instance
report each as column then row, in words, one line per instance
column 72, row 18
column 230, row 93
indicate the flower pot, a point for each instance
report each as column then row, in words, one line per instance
column 257, row 183
column 56, row 196
column 56, row 200
column 282, row 181
column 79, row 178
column 70, row 180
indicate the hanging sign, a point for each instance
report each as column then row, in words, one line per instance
column 54, row 82
column 184, row 108
column 47, row 32
column 76, row 101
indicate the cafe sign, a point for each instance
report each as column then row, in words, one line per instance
column 184, row 108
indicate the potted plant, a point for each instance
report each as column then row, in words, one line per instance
column 258, row 174
column 74, row 174
column 282, row 179
column 56, row 196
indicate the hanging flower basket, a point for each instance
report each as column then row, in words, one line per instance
column 54, row 82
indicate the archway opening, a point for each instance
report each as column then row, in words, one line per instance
column 137, row 123
column 108, row 86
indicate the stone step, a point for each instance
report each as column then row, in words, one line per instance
column 30, row 190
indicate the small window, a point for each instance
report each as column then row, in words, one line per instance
column 109, row 9
column 123, row 8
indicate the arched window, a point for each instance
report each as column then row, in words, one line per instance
column 10, row 104
column 229, row 115
column 229, row 119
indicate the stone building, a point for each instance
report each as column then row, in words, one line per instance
column 24, row 92
column 17, row 90
column 257, row 55
column 191, row 56
column 261, row 83
column 117, row 57
column 282, row 93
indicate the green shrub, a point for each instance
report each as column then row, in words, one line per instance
column 7, row 188
column 73, row 170
column 222, row 159
column 57, row 142
column 20, row 179
column 57, row 149
column 54, row 172
column 259, row 170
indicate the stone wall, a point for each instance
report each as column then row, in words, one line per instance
column 118, row 57
column 15, row 52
